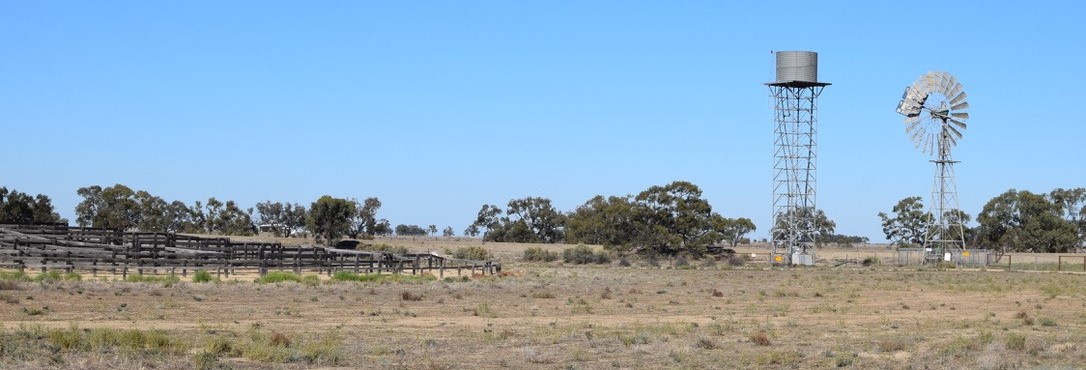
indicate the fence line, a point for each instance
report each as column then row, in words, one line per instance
column 57, row 246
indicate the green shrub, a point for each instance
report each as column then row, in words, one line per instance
column 539, row 254
column 472, row 253
column 14, row 276
column 583, row 254
column 51, row 275
column 163, row 279
column 327, row 351
column 311, row 280
column 202, row 276
column 221, row 346
column 206, row 361
column 278, row 277
column 870, row 261
column 1016, row 341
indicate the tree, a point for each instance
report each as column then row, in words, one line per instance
column 282, row 218
column 1022, row 221
column 489, row 218
column 525, row 220
column 1072, row 204
column 20, row 208
column 965, row 233
column 608, row 221
column 410, row 230
column 909, row 223
column 383, row 227
column 213, row 208
column 448, row 232
column 152, row 212
column 235, row 221
column 733, row 229
column 472, row 231
column 673, row 219
column 823, row 226
column 179, row 218
column 367, row 215
column 432, row 229
column 330, row 218
column 294, row 216
column 542, row 222
column 114, row 207
column 272, row 215
column 846, row 240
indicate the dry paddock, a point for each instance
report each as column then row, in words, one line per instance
column 560, row 316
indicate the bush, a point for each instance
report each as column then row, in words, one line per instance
column 583, row 254
column 164, row 279
column 1016, row 341
column 736, row 261
column 14, row 276
column 409, row 296
column 472, row 253
column 202, row 276
column 870, row 261
column 760, row 339
column 540, row 254
column 206, row 361
column 222, row 346
column 51, row 275
column 278, row 277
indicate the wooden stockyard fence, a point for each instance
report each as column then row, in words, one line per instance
column 58, row 246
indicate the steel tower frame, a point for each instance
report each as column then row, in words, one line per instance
column 795, row 157
column 941, row 237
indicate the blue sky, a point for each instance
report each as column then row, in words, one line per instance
column 439, row 107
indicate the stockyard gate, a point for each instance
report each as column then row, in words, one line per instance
column 60, row 247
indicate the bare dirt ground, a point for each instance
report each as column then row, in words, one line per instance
column 705, row 315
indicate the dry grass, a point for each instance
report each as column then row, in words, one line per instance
column 571, row 316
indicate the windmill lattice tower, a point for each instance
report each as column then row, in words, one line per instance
column 935, row 113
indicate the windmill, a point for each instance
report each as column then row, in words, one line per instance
column 935, row 113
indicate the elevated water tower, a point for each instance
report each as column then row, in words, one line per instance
column 795, row 94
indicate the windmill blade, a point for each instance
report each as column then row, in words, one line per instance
column 958, row 98
column 945, row 83
column 960, row 106
column 952, row 140
column 953, row 131
column 958, row 123
column 953, row 81
column 918, row 138
column 908, row 105
column 963, row 116
column 954, row 91
column 910, row 126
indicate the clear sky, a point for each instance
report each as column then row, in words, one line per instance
column 439, row 107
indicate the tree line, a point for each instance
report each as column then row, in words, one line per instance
column 20, row 208
column 667, row 219
column 119, row 207
column 1017, row 221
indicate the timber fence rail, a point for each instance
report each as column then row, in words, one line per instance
column 59, row 247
